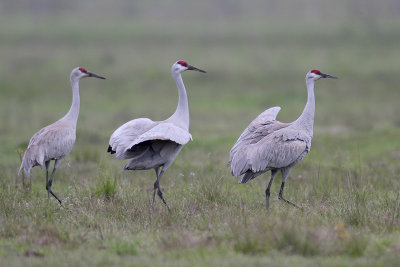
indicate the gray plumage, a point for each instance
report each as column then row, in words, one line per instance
column 155, row 144
column 269, row 145
column 56, row 140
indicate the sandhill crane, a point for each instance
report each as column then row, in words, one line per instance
column 155, row 144
column 270, row 145
column 56, row 140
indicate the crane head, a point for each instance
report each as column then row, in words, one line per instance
column 181, row 65
column 316, row 75
column 80, row 72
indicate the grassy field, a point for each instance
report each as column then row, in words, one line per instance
column 256, row 57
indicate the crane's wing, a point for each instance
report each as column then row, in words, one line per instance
column 263, row 125
column 128, row 133
column 162, row 131
column 280, row 149
column 268, row 115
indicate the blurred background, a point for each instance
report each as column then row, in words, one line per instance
column 256, row 54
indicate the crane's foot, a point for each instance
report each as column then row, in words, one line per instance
column 159, row 193
column 280, row 196
column 49, row 191
column 54, row 195
column 288, row 201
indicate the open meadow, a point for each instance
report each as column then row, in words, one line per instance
column 256, row 55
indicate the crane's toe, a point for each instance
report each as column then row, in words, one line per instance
column 288, row 201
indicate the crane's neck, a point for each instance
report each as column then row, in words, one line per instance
column 181, row 115
column 73, row 113
column 306, row 119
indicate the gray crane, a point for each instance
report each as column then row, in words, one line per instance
column 155, row 144
column 56, row 140
column 270, row 145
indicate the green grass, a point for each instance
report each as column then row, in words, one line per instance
column 256, row 56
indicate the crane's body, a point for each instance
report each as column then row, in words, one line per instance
column 269, row 145
column 148, row 144
column 56, row 140
column 52, row 142
column 155, row 144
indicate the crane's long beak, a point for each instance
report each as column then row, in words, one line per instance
column 194, row 68
column 323, row 75
column 90, row 74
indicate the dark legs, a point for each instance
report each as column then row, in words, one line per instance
column 157, row 188
column 50, row 182
column 281, row 196
column 47, row 164
column 267, row 192
column 285, row 174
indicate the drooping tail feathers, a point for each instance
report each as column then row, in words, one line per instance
column 26, row 167
column 31, row 160
column 249, row 175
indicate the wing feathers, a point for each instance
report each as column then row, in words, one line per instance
column 127, row 133
column 132, row 133
column 263, row 125
column 277, row 150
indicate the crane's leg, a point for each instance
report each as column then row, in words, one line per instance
column 267, row 192
column 159, row 193
column 285, row 174
column 159, row 173
column 157, row 169
column 47, row 164
column 50, row 182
